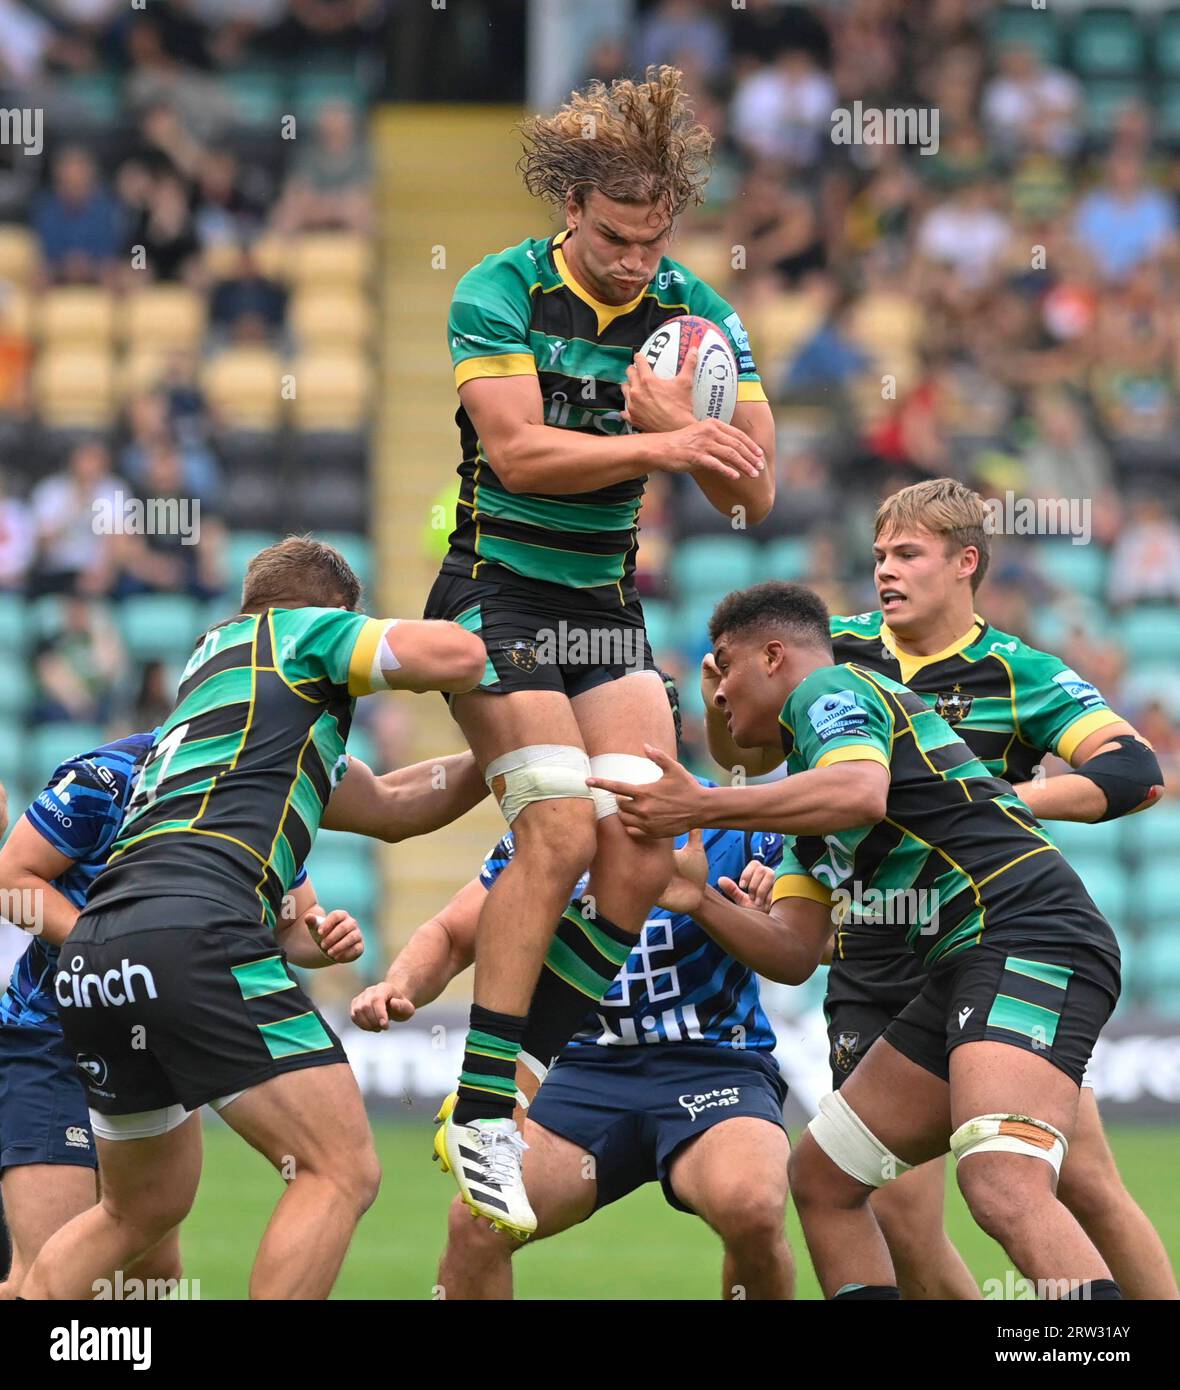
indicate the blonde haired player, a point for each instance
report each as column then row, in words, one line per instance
column 1011, row 705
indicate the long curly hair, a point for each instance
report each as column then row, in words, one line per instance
column 636, row 142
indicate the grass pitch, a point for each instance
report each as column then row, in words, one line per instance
column 637, row 1249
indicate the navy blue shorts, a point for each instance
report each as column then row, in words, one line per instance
column 634, row 1108
column 44, row 1117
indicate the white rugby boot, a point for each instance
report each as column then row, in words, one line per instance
column 485, row 1159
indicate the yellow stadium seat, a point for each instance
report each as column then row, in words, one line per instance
column 18, row 254
column 221, row 260
column 778, row 330
column 142, row 370
column 885, row 322
column 16, row 314
column 329, row 258
column 331, row 318
column 164, row 317
column 245, row 388
column 76, row 316
column 332, row 390
column 274, row 255
column 74, row 388
column 707, row 254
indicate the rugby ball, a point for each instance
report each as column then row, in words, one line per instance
column 715, row 387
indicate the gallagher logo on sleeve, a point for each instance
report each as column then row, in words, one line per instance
column 1082, row 691
column 837, row 715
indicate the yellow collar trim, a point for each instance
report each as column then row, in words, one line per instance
column 910, row 664
column 606, row 313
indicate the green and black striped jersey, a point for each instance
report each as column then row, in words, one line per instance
column 1010, row 704
column 231, row 794
column 956, row 854
column 522, row 313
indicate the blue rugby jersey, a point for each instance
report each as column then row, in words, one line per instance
column 678, row 985
column 79, row 812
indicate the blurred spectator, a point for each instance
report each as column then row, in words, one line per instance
column 248, row 307
column 72, row 555
column 163, row 235
column 187, row 558
column 151, row 425
column 78, row 667
column 329, row 186
column 783, row 112
column 16, row 541
column 778, row 227
column 25, row 42
column 1024, row 92
column 1145, row 562
column 155, row 697
column 829, row 358
column 1124, row 220
column 762, row 29
column 15, row 352
column 966, row 234
column 231, row 200
column 166, row 53
column 78, row 223
column 1064, row 458
column 684, row 33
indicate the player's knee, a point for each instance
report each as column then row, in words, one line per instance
column 559, row 846
column 751, row 1219
column 469, row 1238
column 816, row 1181
column 151, row 1215
column 1002, row 1190
column 363, row 1180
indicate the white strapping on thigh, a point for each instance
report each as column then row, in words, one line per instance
column 619, row 767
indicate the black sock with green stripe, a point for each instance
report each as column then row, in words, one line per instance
column 487, row 1083
column 585, row 955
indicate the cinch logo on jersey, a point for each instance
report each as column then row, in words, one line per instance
column 711, row 1100
column 111, row 991
column 79, row 1343
column 834, row 716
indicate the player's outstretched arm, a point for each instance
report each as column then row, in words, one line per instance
column 754, row 762
column 312, row 937
column 28, row 864
column 426, row 654
column 785, row 944
column 530, row 456
column 1116, row 773
column 412, row 801
column 746, row 501
column 438, row 950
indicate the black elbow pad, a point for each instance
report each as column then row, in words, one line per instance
column 1125, row 774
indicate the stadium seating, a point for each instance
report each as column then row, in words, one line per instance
column 712, row 565
column 333, row 388
column 326, row 259
column 159, row 626
column 331, row 318
column 1107, row 42
column 244, row 386
column 74, row 388
column 161, row 318
column 77, row 316
column 18, row 254
column 1032, row 28
column 1074, row 568
column 51, row 744
column 16, row 689
column 1151, row 634
column 784, row 559
column 1165, row 48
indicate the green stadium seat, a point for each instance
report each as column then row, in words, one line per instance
column 17, row 687
column 1156, row 895
column 1166, row 113
column 241, row 547
column 660, row 619
column 257, row 96
column 1165, row 48
column 1151, row 634
column 160, row 626
column 52, row 744
column 712, row 565
column 1108, row 42
column 1104, row 101
column 95, row 96
column 1107, row 883
column 315, row 89
column 1156, row 958
column 357, row 550
column 1154, row 834
column 784, row 559
column 1078, row 569
column 12, row 755
column 1077, row 840
column 362, row 746
column 14, row 623
column 348, row 882
column 1035, row 29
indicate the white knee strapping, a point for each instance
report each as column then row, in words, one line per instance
column 1010, row 1134
column 540, row 772
column 619, row 767
column 851, row 1145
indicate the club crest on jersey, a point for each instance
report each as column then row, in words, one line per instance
column 833, row 716
column 844, row 1050
column 953, row 706
column 522, row 653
